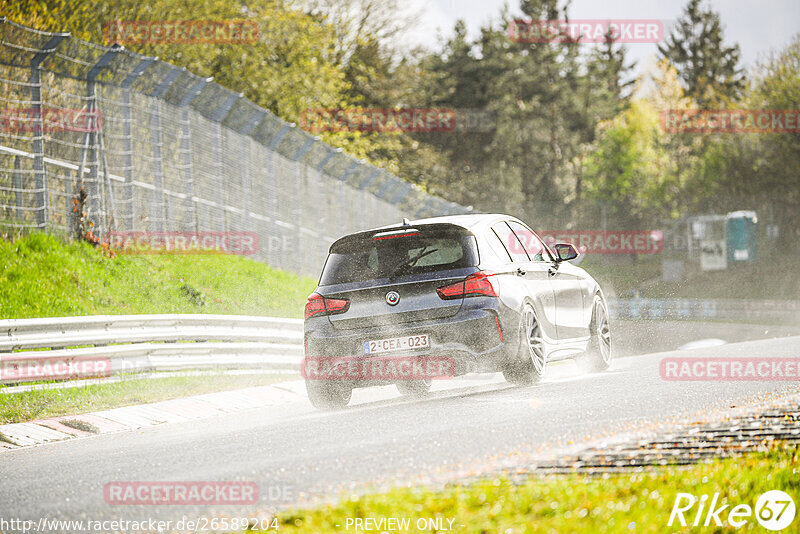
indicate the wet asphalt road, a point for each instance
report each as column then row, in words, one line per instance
column 297, row 455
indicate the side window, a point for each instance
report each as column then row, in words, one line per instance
column 533, row 245
column 497, row 246
column 511, row 242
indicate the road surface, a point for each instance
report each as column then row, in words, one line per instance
column 297, row 455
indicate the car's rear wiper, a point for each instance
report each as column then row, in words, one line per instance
column 410, row 261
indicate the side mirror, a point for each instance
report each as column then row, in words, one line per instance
column 565, row 251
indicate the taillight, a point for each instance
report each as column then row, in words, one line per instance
column 392, row 235
column 317, row 305
column 475, row 285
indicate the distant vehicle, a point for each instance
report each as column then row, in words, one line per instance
column 483, row 290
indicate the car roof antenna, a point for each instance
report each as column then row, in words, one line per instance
column 406, row 222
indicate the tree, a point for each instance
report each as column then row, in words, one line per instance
column 629, row 170
column 609, row 72
column 459, row 77
column 641, row 173
column 296, row 64
column 605, row 93
column 760, row 171
column 708, row 69
column 661, row 87
column 288, row 70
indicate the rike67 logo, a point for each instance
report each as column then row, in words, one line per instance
column 774, row 510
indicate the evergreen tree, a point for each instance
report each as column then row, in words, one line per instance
column 610, row 76
column 708, row 69
column 605, row 90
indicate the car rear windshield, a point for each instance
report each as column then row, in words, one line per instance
column 369, row 257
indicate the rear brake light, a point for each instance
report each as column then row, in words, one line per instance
column 392, row 235
column 317, row 305
column 475, row 285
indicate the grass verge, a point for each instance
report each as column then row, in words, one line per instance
column 40, row 276
column 631, row 502
column 40, row 404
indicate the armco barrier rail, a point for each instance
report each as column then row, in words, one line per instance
column 173, row 342
column 782, row 311
column 151, row 342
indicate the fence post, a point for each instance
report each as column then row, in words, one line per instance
column 218, row 115
column 18, row 186
column 276, row 212
column 297, row 217
column 39, row 171
column 246, row 182
column 272, row 208
column 350, row 216
column 160, row 209
column 127, row 139
column 245, row 176
column 331, row 152
column 93, row 125
column 189, row 209
column 186, row 149
column 306, row 201
column 127, row 160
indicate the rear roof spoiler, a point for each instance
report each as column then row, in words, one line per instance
column 401, row 231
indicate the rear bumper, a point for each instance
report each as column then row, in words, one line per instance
column 470, row 339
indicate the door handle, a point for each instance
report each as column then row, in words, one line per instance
column 552, row 271
column 520, row 271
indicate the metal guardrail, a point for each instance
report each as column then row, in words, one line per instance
column 706, row 309
column 133, row 343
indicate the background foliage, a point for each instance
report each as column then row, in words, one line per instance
column 578, row 141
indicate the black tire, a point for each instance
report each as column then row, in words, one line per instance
column 529, row 365
column 328, row 394
column 414, row 388
column 598, row 354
